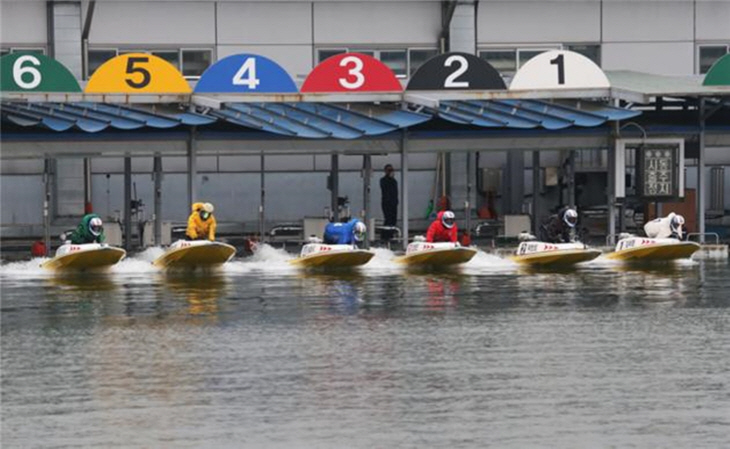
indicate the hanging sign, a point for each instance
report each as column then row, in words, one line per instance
column 245, row 73
column 457, row 71
column 351, row 72
column 659, row 167
column 559, row 69
column 30, row 72
column 719, row 73
column 134, row 73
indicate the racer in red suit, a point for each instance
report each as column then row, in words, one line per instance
column 443, row 229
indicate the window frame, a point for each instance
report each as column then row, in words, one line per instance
column 376, row 52
column 698, row 58
column 182, row 61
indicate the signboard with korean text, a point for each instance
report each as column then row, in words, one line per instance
column 659, row 167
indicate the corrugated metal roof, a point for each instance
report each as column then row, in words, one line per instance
column 315, row 120
column 529, row 113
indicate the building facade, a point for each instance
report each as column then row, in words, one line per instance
column 671, row 37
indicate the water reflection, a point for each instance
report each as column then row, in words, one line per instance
column 201, row 292
column 341, row 292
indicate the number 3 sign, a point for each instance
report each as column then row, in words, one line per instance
column 137, row 73
column 351, row 72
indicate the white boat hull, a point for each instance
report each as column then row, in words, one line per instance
column 88, row 256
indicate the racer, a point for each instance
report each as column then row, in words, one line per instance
column 352, row 232
column 671, row 226
column 443, row 228
column 90, row 230
column 558, row 228
column 201, row 223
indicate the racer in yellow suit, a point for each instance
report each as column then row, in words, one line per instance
column 201, row 223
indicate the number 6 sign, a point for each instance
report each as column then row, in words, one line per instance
column 351, row 72
column 30, row 72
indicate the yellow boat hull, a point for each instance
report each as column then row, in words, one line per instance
column 438, row 257
column 656, row 253
column 557, row 258
column 196, row 256
column 348, row 259
column 98, row 259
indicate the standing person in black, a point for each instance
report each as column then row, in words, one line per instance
column 389, row 200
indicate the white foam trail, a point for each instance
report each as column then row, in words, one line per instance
column 266, row 258
column 133, row 265
column 25, row 269
column 484, row 262
column 150, row 254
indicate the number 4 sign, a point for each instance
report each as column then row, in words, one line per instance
column 245, row 73
column 30, row 72
column 559, row 69
column 351, row 72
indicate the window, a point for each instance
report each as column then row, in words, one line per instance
column 402, row 61
column 592, row 52
column 171, row 56
column 525, row 54
column 194, row 62
column 416, row 58
column 396, row 60
column 97, row 57
column 191, row 62
column 26, row 50
column 505, row 61
column 709, row 54
column 328, row 53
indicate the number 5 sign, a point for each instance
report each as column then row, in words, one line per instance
column 351, row 72
column 29, row 72
column 137, row 73
column 559, row 69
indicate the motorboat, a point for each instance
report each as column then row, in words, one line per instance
column 191, row 254
column 86, row 256
column 316, row 254
column 542, row 254
column 645, row 249
column 435, row 254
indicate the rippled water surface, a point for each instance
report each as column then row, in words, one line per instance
column 262, row 355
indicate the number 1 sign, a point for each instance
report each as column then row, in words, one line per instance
column 351, row 72
column 245, row 73
column 559, row 69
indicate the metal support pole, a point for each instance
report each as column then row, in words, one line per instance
column 571, row 179
column 701, row 191
column 612, row 184
column 157, row 167
column 47, row 206
column 127, row 203
column 468, row 202
column 262, row 204
column 335, row 184
column 535, row 190
column 87, row 186
column 366, row 174
column 404, row 182
column 192, row 168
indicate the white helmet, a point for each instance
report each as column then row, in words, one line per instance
column 359, row 231
column 677, row 222
column 448, row 219
column 208, row 208
column 570, row 217
column 95, row 226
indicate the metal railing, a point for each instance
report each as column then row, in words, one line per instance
column 702, row 236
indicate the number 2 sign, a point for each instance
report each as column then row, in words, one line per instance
column 351, row 72
column 137, row 73
column 559, row 69
column 456, row 71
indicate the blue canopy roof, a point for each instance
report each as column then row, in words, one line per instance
column 315, row 120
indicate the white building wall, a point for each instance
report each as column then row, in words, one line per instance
column 23, row 23
column 663, row 58
column 143, row 23
column 713, row 21
column 515, row 22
